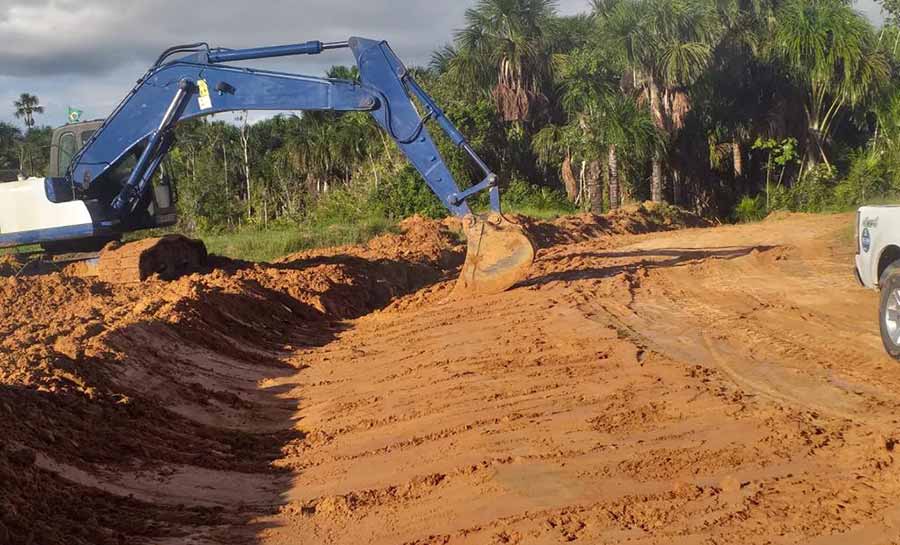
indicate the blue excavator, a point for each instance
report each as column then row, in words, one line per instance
column 104, row 180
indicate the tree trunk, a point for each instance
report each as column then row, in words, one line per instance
column 245, row 143
column 738, row 157
column 656, row 107
column 594, row 187
column 583, row 192
column 657, row 184
column 247, row 177
column 569, row 179
column 676, row 187
column 614, row 193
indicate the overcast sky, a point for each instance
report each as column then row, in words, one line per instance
column 88, row 53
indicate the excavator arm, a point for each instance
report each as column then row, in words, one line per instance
column 202, row 84
column 140, row 132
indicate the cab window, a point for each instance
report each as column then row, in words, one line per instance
column 85, row 136
column 67, row 148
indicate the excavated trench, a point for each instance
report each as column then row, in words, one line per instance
column 637, row 388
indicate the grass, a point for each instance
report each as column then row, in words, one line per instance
column 20, row 250
column 254, row 244
column 541, row 213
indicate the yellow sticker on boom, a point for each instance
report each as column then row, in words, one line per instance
column 204, row 99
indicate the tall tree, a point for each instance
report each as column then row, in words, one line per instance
column 830, row 50
column 666, row 45
column 603, row 125
column 10, row 137
column 505, row 47
column 26, row 106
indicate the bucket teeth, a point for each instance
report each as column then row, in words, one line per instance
column 499, row 255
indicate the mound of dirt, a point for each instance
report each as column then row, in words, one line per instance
column 641, row 218
column 104, row 384
column 89, row 379
column 784, row 215
column 38, row 507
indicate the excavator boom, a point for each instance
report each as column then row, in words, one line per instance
column 112, row 173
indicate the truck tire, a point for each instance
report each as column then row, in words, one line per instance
column 889, row 310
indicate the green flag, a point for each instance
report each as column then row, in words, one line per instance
column 73, row 115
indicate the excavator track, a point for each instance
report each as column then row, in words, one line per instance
column 167, row 258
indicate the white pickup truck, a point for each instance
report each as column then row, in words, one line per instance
column 878, row 266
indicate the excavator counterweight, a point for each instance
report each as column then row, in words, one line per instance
column 107, row 188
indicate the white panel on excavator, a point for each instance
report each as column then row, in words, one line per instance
column 24, row 207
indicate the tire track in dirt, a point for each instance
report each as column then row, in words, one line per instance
column 786, row 324
column 582, row 422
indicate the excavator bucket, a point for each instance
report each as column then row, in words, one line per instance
column 169, row 257
column 499, row 255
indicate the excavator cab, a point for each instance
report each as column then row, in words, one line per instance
column 68, row 140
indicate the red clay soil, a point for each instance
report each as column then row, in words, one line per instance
column 706, row 385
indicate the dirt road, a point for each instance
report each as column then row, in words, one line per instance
column 719, row 385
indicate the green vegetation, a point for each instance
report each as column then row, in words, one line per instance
column 731, row 109
column 255, row 244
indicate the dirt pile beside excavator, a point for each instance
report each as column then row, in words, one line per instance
column 96, row 374
column 168, row 258
column 636, row 387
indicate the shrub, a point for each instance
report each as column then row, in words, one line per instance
column 867, row 179
column 815, row 190
column 751, row 209
column 534, row 200
column 405, row 194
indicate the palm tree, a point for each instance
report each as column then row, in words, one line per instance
column 831, row 51
column 553, row 142
column 442, row 58
column 603, row 124
column 505, row 47
column 666, row 45
column 621, row 124
column 26, row 107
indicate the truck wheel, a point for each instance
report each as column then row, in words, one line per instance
column 889, row 310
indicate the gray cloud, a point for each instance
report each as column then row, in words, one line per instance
column 88, row 53
column 871, row 9
column 95, row 37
